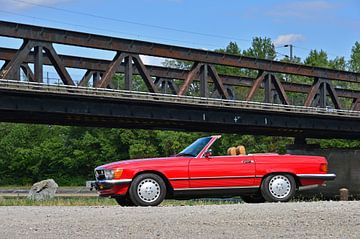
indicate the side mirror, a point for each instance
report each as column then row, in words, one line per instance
column 208, row 153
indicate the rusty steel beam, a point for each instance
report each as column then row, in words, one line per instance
column 28, row 72
column 204, row 77
column 86, row 78
column 255, row 86
column 189, row 78
column 144, row 73
column 98, row 65
column 355, row 104
column 280, row 90
column 12, row 68
column 38, row 66
column 58, row 64
column 323, row 88
column 218, row 82
column 111, row 70
column 24, row 31
column 128, row 72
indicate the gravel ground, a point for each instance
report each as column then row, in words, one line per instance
column 269, row 220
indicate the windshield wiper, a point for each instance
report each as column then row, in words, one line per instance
column 185, row 154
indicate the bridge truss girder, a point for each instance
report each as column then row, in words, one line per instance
column 37, row 49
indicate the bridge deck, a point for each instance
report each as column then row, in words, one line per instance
column 11, row 85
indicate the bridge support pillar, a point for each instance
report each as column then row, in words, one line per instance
column 38, row 66
column 345, row 163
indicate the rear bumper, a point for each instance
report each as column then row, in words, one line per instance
column 325, row 177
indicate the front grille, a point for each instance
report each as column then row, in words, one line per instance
column 100, row 174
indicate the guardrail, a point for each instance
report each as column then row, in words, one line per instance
column 172, row 99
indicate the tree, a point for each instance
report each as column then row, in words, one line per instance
column 317, row 58
column 262, row 48
column 338, row 63
column 232, row 48
column 354, row 62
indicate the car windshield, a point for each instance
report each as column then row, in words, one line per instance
column 194, row 149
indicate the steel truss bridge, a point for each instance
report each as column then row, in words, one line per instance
column 167, row 104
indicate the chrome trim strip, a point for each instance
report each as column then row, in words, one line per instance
column 329, row 176
column 177, row 179
column 213, row 188
column 210, row 178
column 308, row 187
column 222, row 177
column 115, row 181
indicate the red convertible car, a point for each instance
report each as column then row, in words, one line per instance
column 195, row 173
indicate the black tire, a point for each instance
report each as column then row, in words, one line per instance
column 124, row 201
column 256, row 198
column 278, row 187
column 147, row 190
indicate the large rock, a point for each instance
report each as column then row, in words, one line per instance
column 43, row 190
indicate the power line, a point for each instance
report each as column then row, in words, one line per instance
column 328, row 53
column 106, row 30
column 139, row 24
column 132, row 22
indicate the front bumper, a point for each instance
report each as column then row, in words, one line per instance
column 107, row 184
column 111, row 187
column 325, row 177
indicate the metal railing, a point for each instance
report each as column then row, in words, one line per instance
column 171, row 99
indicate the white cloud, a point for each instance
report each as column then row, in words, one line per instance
column 288, row 39
column 26, row 4
column 152, row 60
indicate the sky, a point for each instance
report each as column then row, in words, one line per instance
column 333, row 26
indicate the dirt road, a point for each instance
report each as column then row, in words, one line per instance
column 269, row 220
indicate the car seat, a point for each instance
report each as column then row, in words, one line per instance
column 231, row 151
column 240, row 150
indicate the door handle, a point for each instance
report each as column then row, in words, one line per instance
column 247, row 161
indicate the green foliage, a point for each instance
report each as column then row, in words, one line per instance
column 58, row 201
column 317, row 58
column 262, row 48
column 354, row 63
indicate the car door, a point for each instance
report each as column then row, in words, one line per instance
column 222, row 171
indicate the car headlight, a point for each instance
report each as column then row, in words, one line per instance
column 109, row 174
column 113, row 174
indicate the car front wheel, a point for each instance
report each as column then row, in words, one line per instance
column 147, row 190
column 278, row 188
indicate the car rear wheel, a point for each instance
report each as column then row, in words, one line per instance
column 278, row 187
column 147, row 190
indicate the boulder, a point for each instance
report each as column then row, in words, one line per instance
column 43, row 190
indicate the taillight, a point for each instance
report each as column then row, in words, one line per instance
column 323, row 167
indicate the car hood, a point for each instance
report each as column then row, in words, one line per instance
column 136, row 162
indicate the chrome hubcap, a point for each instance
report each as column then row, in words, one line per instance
column 279, row 186
column 148, row 190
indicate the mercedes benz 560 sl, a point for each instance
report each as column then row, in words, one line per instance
column 196, row 173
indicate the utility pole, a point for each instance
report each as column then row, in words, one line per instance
column 288, row 78
column 291, row 51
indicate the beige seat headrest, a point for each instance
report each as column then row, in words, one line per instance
column 240, row 150
column 231, row 151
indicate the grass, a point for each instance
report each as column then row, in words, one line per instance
column 99, row 201
column 57, row 201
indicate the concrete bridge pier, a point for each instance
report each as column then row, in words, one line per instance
column 345, row 163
